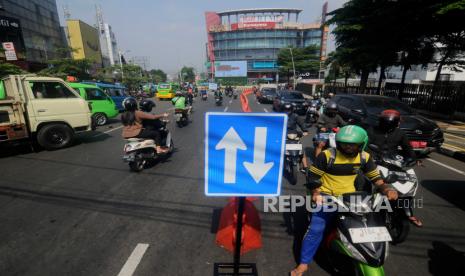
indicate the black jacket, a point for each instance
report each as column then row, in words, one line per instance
column 390, row 141
column 330, row 122
column 293, row 120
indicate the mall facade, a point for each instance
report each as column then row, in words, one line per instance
column 244, row 44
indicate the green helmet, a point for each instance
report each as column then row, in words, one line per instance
column 352, row 134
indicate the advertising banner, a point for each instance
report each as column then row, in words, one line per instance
column 253, row 25
column 10, row 53
column 230, row 69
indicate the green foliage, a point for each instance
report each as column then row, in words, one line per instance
column 188, row 74
column 305, row 59
column 158, row 75
column 9, row 69
column 62, row 68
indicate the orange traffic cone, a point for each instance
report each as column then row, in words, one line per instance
column 251, row 229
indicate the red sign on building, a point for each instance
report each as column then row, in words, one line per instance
column 253, row 25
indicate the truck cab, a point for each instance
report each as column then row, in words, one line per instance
column 41, row 108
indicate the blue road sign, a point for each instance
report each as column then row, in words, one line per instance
column 244, row 153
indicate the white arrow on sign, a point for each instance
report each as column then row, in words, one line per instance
column 258, row 169
column 231, row 142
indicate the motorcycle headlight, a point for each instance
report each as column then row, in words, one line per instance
column 353, row 251
column 292, row 136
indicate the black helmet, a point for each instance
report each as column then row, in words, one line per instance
column 146, row 105
column 389, row 119
column 130, row 104
column 331, row 108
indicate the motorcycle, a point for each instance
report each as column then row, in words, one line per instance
column 204, row 96
column 138, row 151
column 399, row 173
column 312, row 113
column 218, row 100
column 182, row 116
column 329, row 137
column 359, row 242
column 293, row 157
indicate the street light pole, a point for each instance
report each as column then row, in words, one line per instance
column 293, row 67
column 121, row 64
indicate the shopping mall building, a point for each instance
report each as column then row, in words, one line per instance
column 244, row 44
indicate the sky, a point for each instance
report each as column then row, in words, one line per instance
column 172, row 33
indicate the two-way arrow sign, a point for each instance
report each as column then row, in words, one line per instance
column 231, row 142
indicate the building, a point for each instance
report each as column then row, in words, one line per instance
column 84, row 39
column 244, row 44
column 108, row 42
column 34, row 29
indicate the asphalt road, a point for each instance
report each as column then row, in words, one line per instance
column 79, row 211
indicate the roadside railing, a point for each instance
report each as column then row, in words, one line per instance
column 446, row 99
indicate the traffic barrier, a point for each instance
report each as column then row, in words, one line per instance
column 245, row 100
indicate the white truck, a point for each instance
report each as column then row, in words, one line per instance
column 41, row 109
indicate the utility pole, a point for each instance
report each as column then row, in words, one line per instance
column 293, row 66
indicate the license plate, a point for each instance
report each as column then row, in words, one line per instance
column 418, row 144
column 293, row 146
column 369, row 234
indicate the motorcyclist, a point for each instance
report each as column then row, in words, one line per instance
column 388, row 137
column 219, row 94
column 334, row 173
column 190, row 96
column 147, row 105
column 132, row 120
column 327, row 121
column 293, row 123
column 179, row 102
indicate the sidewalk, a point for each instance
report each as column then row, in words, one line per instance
column 454, row 138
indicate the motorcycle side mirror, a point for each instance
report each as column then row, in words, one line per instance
column 358, row 111
column 373, row 147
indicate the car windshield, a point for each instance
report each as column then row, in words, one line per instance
column 163, row 86
column 293, row 96
column 377, row 105
column 269, row 91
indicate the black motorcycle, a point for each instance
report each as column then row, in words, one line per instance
column 293, row 157
column 218, row 100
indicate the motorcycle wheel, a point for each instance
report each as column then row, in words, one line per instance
column 180, row 123
column 137, row 165
column 398, row 227
column 293, row 171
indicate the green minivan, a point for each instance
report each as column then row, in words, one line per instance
column 102, row 105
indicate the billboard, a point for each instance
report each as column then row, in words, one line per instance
column 230, row 69
column 253, row 25
column 85, row 39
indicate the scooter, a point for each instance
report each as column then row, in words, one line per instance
column 182, row 116
column 204, row 96
column 138, row 151
column 359, row 242
column 293, row 157
column 399, row 173
column 312, row 113
column 218, row 100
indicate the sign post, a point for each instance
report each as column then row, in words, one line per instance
column 243, row 157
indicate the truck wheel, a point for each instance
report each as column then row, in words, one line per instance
column 100, row 118
column 55, row 136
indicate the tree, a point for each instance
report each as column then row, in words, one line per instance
column 158, row 75
column 305, row 59
column 9, row 69
column 187, row 74
column 61, row 68
column 339, row 65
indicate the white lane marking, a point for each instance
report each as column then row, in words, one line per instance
column 108, row 131
column 266, row 110
column 446, row 166
column 226, row 109
column 134, row 260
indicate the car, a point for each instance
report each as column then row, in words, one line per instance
column 166, row 91
column 295, row 98
column 266, row 95
column 425, row 135
column 103, row 107
column 116, row 91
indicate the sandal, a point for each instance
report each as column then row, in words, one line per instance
column 295, row 272
column 415, row 221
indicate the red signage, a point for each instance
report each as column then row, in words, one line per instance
column 253, row 25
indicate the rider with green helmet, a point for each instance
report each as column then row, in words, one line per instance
column 334, row 173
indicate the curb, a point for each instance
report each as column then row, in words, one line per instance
column 454, row 154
